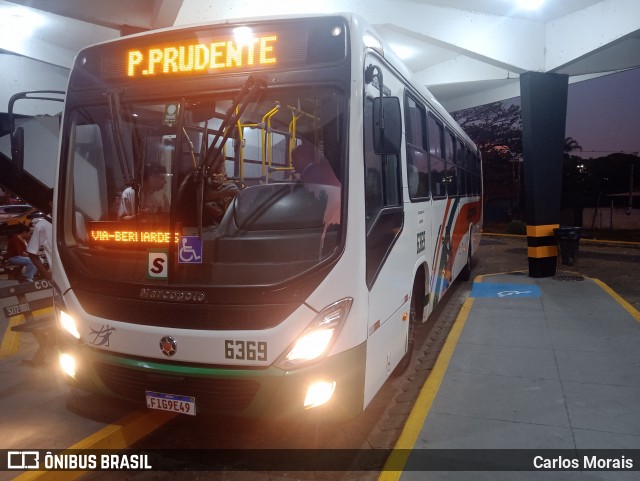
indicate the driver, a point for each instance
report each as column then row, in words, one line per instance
column 153, row 199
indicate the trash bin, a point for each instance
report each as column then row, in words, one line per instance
column 568, row 239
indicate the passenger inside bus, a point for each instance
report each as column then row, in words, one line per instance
column 312, row 166
column 316, row 173
column 220, row 193
column 153, row 199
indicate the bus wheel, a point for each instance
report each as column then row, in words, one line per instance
column 415, row 310
column 465, row 273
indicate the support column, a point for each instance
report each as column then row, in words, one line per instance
column 544, row 111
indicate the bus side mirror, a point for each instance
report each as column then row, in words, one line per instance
column 17, row 149
column 387, row 125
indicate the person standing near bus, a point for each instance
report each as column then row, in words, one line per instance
column 17, row 252
column 42, row 238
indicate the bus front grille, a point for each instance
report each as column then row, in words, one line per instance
column 185, row 316
column 224, row 395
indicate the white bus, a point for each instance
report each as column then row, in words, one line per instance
column 203, row 266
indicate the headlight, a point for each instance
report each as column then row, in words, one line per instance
column 318, row 337
column 66, row 322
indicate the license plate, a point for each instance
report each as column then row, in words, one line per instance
column 171, row 402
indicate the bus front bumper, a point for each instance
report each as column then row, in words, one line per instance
column 255, row 393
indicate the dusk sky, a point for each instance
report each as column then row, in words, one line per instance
column 603, row 114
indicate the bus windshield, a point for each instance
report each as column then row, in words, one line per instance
column 233, row 189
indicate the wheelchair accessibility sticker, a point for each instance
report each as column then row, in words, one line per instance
column 190, row 250
column 505, row 291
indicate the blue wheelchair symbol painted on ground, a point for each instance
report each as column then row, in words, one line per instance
column 190, row 250
column 504, row 291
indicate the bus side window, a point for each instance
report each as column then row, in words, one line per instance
column 373, row 192
column 436, row 159
column 417, row 165
column 473, row 172
column 452, row 168
column 463, row 174
column 392, row 195
column 478, row 176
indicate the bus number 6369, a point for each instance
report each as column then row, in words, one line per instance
column 245, row 350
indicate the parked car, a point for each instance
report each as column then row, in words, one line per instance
column 13, row 214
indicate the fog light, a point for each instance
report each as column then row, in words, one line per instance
column 68, row 364
column 319, row 393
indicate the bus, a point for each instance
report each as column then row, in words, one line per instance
column 252, row 217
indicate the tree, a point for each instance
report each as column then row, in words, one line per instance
column 493, row 125
column 496, row 128
column 571, row 145
column 577, row 175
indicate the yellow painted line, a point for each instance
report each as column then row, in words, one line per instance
column 626, row 305
column 582, row 239
column 497, row 234
column 480, row 278
column 615, row 242
column 118, row 436
column 420, row 410
column 11, row 340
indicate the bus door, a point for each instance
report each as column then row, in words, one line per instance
column 388, row 263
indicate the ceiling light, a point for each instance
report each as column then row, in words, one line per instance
column 19, row 22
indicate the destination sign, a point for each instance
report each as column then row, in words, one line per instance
column 218, row 50
column 130, row 234
column 218, row 54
